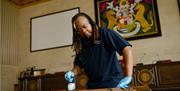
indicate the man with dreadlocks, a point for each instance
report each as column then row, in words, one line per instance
column 95, row 50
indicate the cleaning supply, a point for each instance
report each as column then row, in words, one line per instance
column 70, row 77
column 71, row 85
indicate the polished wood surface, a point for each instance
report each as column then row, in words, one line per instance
column 138, row 88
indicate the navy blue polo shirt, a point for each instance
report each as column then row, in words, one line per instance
column 99, row 60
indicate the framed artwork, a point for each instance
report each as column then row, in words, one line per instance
column 132, row 19
column 53, row 30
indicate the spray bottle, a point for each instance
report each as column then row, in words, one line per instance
column 71, row 84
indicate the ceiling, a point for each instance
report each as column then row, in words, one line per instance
column 25, row 2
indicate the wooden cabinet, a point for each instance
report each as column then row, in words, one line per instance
column 161, row 76
column 43, row 83
column 50, row 82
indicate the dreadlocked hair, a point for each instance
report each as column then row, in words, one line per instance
column 77, row 45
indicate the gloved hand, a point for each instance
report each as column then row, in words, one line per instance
column 124, row 82
column 69, row 76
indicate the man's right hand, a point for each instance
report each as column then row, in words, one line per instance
column 69, row 76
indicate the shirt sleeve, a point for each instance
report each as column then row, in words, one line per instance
column 77, row 61
column 116, row 41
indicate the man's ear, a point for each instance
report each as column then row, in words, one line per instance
column 74, row 26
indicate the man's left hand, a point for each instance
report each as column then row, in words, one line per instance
column 124, row 82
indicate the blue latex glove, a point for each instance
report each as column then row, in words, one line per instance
column 69, row 76
column 124, row 82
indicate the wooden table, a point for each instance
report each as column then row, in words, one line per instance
column 138, row 88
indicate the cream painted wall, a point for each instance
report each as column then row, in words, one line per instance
column 145, row 50
column 9, row 77
column 168, row 45
column 9, row 46
column 0, row 42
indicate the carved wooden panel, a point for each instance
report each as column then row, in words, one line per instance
column 145, row 75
